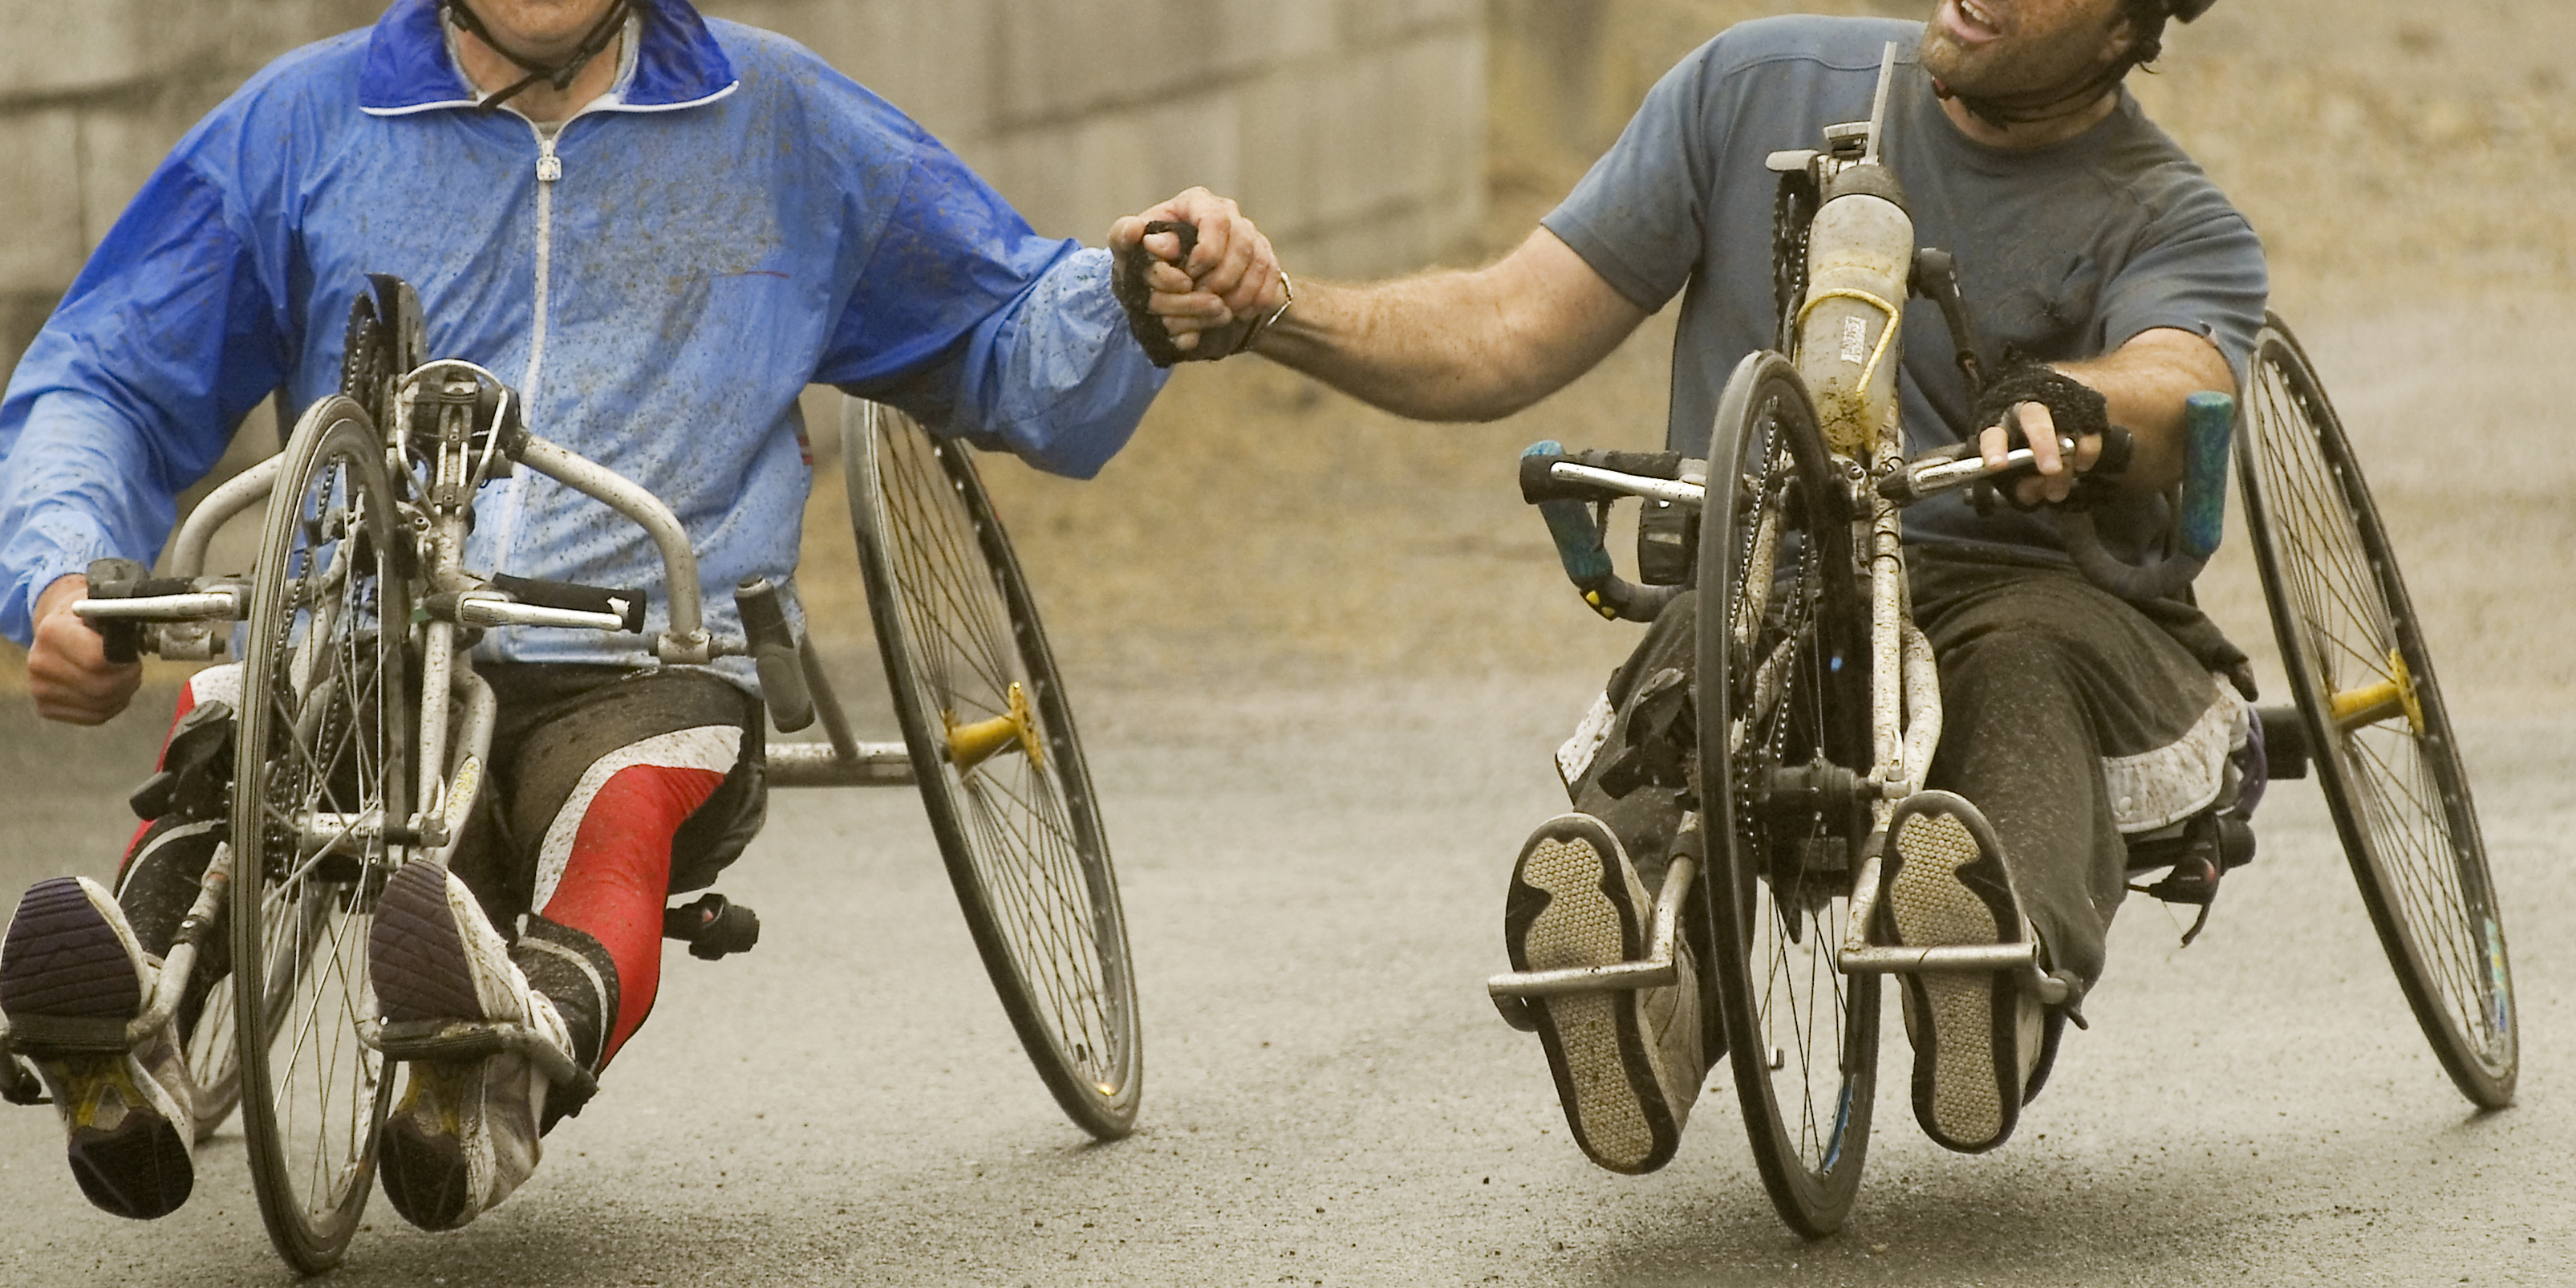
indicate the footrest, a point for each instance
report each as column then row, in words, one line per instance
column 457, row 1041
column 1658, row 969
column 37, row 1036
column 1858, row 956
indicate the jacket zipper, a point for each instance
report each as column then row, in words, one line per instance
column 549, row 172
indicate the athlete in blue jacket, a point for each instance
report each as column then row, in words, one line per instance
column 661, row 229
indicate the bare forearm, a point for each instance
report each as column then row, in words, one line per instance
column 1457, row 345
column 2146, row 383
column 1444, row 346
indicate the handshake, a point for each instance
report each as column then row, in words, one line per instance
column 1198, row 280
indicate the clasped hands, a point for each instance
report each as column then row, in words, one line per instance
column 1207, row 301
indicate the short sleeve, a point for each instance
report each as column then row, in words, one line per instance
column 2201, row 270
column 1638, row 218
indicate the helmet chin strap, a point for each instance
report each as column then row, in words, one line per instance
column 559, row 75
column 2066, row 98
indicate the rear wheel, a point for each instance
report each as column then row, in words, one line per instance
column 1782, row 711
column 1000, row 769
column 321, row 774
column 2375, row 720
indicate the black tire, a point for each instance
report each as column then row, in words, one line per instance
column 1802, row 1036
column 323, row 742
column 1021, row 834
column 2394, row 782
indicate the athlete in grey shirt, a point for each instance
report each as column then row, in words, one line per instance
column 2104, row 274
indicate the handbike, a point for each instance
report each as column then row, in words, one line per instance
column 1817, row 703
column 362, row 736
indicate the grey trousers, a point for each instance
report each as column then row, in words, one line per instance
column 2069, row 717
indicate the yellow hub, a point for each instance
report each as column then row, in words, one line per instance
column 973, row 743
column 2370, row 704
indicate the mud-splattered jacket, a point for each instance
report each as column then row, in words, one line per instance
column 660, row 279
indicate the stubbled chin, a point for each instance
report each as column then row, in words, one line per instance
column 1940, row 55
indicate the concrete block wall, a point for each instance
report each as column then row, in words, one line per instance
column 92, row 94
column 1353, row 130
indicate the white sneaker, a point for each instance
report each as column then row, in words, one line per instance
column 1628, row 1063
column 465, row 1132
column 72, row 975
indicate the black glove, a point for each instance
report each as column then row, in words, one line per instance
column 2074, row 405
column 2077, row 409
column 1127, row 282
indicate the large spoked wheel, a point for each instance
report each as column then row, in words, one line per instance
column 1000, row 770
column 1782, row 705
column 321, row 774
column 2375, row 720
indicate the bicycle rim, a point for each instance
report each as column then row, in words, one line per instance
column 1781, row 684
column 320, row 770
column 214, row 1062
column 1003, row 778
column 2385, row 753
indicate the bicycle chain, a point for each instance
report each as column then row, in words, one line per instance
column 1793, row 212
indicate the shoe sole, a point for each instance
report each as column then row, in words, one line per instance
column 424, row 1171
column 63, row 960
column 1595, row 1042
column 139, row 1169
column 422, row 970
column 1964, row 1072
column 415, row 953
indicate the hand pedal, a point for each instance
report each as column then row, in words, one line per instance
column 712, row 927
column 776, row 654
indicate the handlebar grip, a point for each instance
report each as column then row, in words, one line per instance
column 2211, row 419
column 775, row 654
column 1539, row 484
column 1580, row 548
column 712, row 927
column 1569, row 524
column 1186, row 231
column 627, row 605
column 117, row 579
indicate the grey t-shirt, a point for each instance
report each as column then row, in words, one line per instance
column 2064, row 252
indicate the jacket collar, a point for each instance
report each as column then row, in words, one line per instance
column 677, row 62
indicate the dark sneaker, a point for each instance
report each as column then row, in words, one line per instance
column 72, row 977
column 464, row 1134
column 1977, row 1036
column 1628, row 1063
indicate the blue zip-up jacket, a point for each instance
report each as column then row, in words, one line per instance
column 734, row 221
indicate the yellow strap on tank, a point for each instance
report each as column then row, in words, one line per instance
column 1870, row 368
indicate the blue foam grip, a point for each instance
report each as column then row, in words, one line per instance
column 1578, row 538
column 2210, row 417
column 1578, row 541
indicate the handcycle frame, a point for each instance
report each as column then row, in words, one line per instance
column 1846, row 268
column 453, row 427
